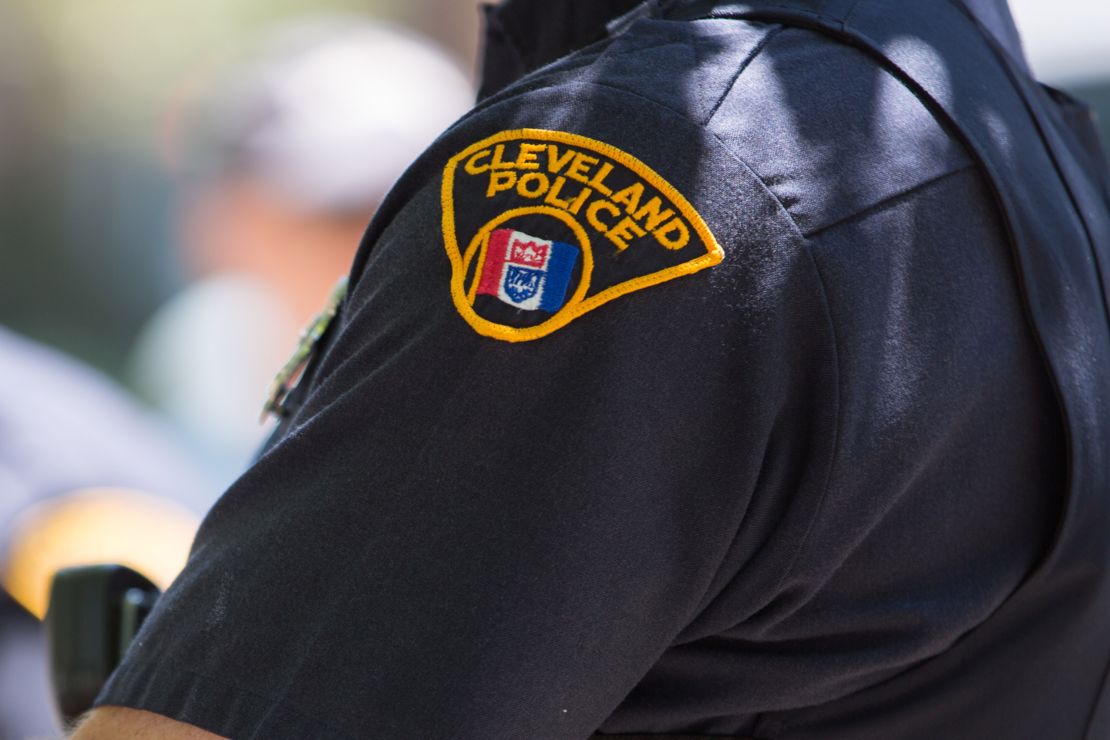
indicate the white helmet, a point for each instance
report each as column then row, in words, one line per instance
column 332, row 112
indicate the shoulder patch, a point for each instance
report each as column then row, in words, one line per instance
column 543, row 226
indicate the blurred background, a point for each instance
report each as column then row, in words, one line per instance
column 164, row 167
column 87, row 93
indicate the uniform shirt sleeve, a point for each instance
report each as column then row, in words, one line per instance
column 465, row 537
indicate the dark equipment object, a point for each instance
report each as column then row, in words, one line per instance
column 95, row 612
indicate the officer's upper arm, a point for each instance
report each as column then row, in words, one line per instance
column 121, row 723
column 581, row 384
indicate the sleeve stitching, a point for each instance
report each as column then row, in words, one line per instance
column 890, row 200
column 836, row 426
column 724, row 146
column 740, row 70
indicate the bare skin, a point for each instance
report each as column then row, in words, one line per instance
column 121, row 723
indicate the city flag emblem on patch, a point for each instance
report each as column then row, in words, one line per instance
column 527, row 272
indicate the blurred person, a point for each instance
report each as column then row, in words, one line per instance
column 283, row 164
column 67, row 434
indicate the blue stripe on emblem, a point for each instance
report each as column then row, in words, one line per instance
column 560, row 265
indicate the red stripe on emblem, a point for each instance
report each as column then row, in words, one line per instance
column 490, row 281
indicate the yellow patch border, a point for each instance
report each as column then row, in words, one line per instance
column 578, row 304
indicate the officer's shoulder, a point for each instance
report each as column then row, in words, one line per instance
column 581, row 182
column 650, row 95
column 826, row 128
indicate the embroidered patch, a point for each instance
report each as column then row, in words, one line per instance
column 543, row 226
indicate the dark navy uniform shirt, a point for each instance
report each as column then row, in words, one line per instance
column 684, row 386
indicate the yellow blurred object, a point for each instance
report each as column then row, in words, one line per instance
column 91, row 526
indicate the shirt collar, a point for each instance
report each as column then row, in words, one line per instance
column 524, row 35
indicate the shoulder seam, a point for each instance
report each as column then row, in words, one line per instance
column 740, row 70
column 727, row 149
column 888, row 200
column 830, row 463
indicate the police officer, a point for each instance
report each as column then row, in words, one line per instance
column 733, row 369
